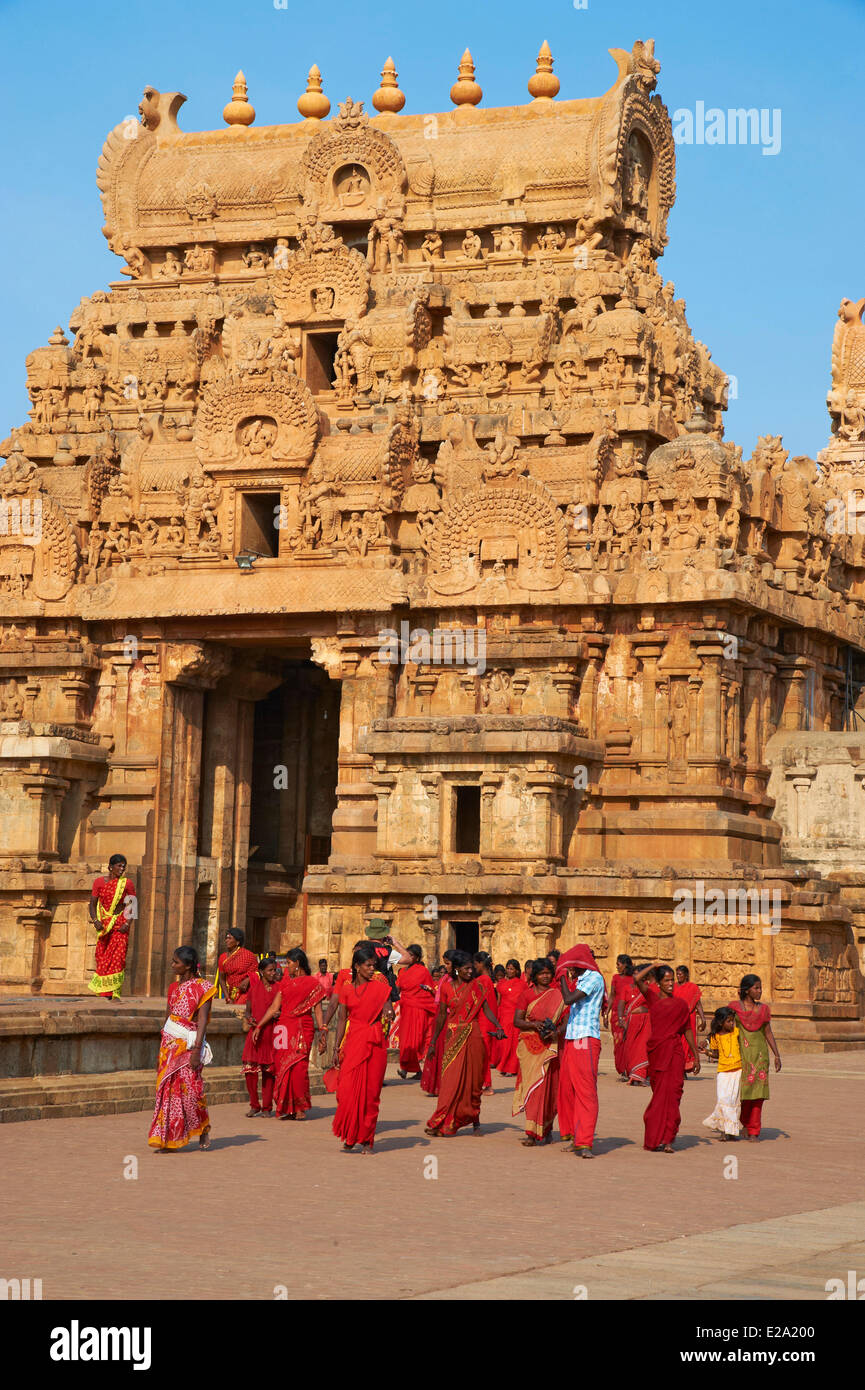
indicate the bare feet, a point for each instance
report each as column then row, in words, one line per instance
column 476, row 1127
column 204, row 1141
column 348, row 1148
column 431, row 1132
column 583, row 1151
column 529, row 1142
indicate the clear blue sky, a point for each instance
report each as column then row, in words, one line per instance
column 762, row 247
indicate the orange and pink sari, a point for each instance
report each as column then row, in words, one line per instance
column 536, row 1091
column 181, row 1108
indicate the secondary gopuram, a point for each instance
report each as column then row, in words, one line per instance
column 373, row 549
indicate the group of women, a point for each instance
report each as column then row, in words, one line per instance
column 453, row 1027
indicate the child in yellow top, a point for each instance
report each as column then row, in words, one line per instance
column 723, row 1045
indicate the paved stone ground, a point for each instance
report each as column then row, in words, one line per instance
column 498, row 1222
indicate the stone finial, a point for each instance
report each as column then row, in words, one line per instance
column 465, row 91
column 389, row 97
column 58, row 338
column 313, row 105
column 544, row 85
column 239, row 111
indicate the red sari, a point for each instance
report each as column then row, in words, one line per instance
column 181, row 1108
column 292, row 1042
column 258, row 1057
column 638, row 1031
column 113, row 943
column 619, row 989
column 463, row 1059
column 432, row 1067
column 487, row 1026
column 416, row 1014
column 510, row 992
column 363, row 1060
column 692, row 994
column 232, row 967
column 537, row 1088
column 669, row 1018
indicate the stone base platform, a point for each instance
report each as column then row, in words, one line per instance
column 114, row 1093
column 89, row 1056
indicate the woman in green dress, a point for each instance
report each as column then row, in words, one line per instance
column 753, row 1019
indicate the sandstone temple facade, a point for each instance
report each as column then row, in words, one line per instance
column 373, row 548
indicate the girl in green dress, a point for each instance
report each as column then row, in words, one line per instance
column 753, row 1020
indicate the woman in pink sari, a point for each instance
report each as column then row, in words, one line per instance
column 510, row 991
column 181, row 1108
column 540, row 1018
column 297, row 1001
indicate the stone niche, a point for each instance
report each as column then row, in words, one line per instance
column 485, row 787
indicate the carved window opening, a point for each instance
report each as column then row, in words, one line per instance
column 467, row 820
column 318, row 849
column 466, row 936
column 259, row 514
column 320, row 354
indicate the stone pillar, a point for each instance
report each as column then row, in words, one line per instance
column 367, row 694
column 170, row 872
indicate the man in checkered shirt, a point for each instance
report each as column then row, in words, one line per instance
column 582, row 986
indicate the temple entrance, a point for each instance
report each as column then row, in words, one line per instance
column 293, row 797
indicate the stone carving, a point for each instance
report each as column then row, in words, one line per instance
column 238, row 418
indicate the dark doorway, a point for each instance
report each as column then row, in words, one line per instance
column 321, row 351
column 258, row 523
column 467, row 818
column 466, row 937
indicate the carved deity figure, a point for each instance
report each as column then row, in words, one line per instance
column 386, row 243
column 201, row 260
column 553, row 239
column 353, row 359
column 172, row 266
column 471, row 245
column 684, row 532
column 679, row 721
column 432, row 248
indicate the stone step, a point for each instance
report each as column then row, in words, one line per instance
column 113, row 1093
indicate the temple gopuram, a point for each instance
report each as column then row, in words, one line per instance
column 373, row 549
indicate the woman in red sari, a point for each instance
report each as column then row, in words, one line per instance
column 539, row 1019
column 622, row 986
column 432, row 1067
column 235, row 968
column 670, row 1021
column 297, row 1001
column 362, row 1051
column 258, row 1056
column 181, row 1108
column 692, row 994
column 416, row 1011
column 464, row 1058
column 112, row 907
column 490, row 1029
column 633, row 1015
column 510, row 991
